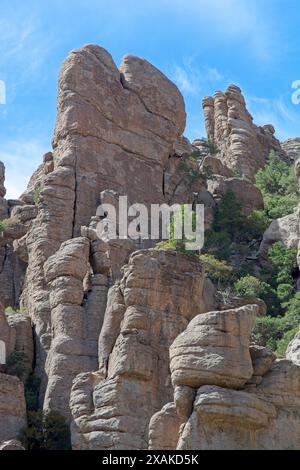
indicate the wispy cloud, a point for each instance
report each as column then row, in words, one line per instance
column 24, row 47
column 191, row 79
column 24, row 154
column 277, row 111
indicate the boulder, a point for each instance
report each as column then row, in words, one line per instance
column 214, row 349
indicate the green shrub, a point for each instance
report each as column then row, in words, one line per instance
column 283, row 258
column 178, row 244
column 268, row 330
column 11, row 311
column 5, row 223
column 211, row 146
column 36, row 195
column 292, row 314
column 32, row 389
column 277, row 332
column 280, row 206
column 3, row 226
column 257, row 223
column 218, row 244
column 17, row 364
column 284, row 292
column 228, row 216
column 278, row 184
column 46, row 431
column 282, row 344
column 252, row 286
column 218, row 271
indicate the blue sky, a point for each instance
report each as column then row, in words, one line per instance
column 202, row 45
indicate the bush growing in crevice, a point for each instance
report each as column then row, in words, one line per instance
column 17, row 364
column 46, row 431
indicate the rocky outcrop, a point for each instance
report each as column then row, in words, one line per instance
column 293, row 350
column 214, row 349
column 3, row 202
column 16, row 335
column 11, row 268
column 134, row 346
column 216, row 412
column 115, row 129
column 12, row 407
column 157, row 296
column 285, row 230
column 75, row 329
column 248, row 196
column 243, row 146
column 292, row 148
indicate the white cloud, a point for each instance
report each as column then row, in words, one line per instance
column 277, row 111
column 21, row 158
column 191, row 79
column 183, row 81
column 24, row 47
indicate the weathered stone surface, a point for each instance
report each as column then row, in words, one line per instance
column 11, row 269
column 12, row 407
column 285, row 230
column 74, row 344
column 214, row 349
column 292, row 148
column 213, row 165
column 262, row 359
column 281, row 384
column 158, row 295
column 115, row 130
column 265, row 415
column 7, row 336
column 21, row 330
column 293, row 350
column 225, row 419
column 164, row 428
column 2, row 179
column 243, row 146
column 248, row 195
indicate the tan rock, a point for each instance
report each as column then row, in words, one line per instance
column 164, row 428
column 248, row 195
column 285, row 230
column 157, row 296
column 293, row 350
column 214, row 349
column 12, row 407
column 115, row 130
column 225, row 420
column 242, row 145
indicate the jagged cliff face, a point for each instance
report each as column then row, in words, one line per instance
column 132, row 346
column 243, row 145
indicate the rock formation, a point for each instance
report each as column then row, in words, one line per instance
column 292, row 148
column 285, row 230
column 243, row 146
column 12, row 407
column 219, row 411
column 157, row 296
column 133, row 347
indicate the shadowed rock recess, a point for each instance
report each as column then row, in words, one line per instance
column 130, row 341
